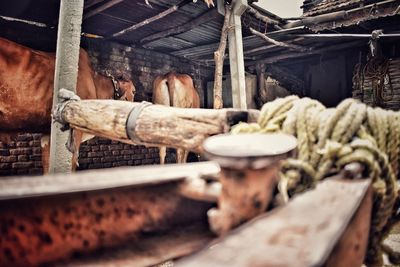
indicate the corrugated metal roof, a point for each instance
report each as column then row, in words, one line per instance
column 197, row 43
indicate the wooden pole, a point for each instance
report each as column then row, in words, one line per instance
column 236, row 58
column 261, row 96
column 219, row 57
column 153, row 125
column 66, row 72
column 277, row 43
column 152, row 19
column 101, row 8
column 266, row 19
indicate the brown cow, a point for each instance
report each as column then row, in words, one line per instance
column 175, row 90
column 26, row 89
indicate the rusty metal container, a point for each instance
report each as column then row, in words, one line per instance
column 249, row 167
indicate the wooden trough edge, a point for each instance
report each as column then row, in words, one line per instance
column 326, row 226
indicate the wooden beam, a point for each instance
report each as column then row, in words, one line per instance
column 277, row 58
column 309, row 21
column 65, row 76
column 266, row 19
column 90, row 3
column 152, row 19
column 101, row 8
column 267, row 47
column 304, row 232
column 154, row 125
column 277, row 43
column 219, row 57
column 206, row 17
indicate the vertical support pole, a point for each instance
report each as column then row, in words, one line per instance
column 261, row 94
column 66, row 73
column 236, row 59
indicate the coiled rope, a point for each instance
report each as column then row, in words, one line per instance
column 329, row 139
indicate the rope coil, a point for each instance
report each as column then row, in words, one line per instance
column 329, row 139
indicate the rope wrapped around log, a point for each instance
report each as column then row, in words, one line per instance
column 331, row 138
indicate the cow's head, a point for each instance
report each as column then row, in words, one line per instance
column 123, row 88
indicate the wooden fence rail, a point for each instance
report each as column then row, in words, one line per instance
column 147, row 124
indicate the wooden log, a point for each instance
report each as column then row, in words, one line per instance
column 101, row 8
column 309, row 21
column 278, row 43
column 302, row 233
column 48, row 218
column 266, row 19
column 219, row 56
column 153, row 125
column 152, row 19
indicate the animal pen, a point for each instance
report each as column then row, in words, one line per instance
column 297, row 182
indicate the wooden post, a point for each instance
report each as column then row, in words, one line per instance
column 219, row 57
column 236, row 59
column 261, row 94
column 66, row 72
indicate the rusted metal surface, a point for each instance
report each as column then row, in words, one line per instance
column 22, row 187
column 248, row 175
column 302, row 233
column 149, row 250
column 50, row 218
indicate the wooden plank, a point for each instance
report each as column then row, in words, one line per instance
column 352, row 247
column 149, row 250
column 101, row 8
column 28, row 186
column 90, row 3
column 301, row 233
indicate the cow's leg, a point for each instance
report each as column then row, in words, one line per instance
column 163, row 153
column 181, row 155
column 45, row 144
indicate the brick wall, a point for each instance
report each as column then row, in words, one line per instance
column 23, row 156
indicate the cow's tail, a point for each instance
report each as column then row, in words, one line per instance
column 171, row 89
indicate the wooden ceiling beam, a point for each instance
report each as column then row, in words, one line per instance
column 90, row 3
column 151, row 19
column 283, row 56
column 101, row 8
column 206, row 17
